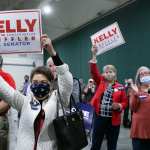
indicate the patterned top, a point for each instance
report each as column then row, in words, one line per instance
column 106, row 103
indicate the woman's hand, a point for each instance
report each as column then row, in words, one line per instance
column 133, row 86
column 94, row 51
column 47, row 44
column 116, row 106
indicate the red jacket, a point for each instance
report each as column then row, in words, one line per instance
column 119, row 94
column 140, row 105
column 9, row 79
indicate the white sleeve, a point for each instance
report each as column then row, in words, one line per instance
column 28, row 91
column 65, row 83
column 10, row 95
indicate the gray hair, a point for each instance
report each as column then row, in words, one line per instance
column 49, row 60
column 110, row 67
column 137, row 77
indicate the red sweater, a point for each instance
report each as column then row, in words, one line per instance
column 119, row 94
column 140, row 105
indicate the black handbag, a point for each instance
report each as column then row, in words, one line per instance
column 69, row 128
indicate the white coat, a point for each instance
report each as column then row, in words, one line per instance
column 13, row 128
column 26, row 138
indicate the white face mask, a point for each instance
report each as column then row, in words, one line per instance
column 145, row 80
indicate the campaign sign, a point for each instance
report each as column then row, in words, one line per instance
column 107, row 38
column 88, row 112
column 20, row 31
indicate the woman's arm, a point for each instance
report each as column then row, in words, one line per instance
column 13, row 97
column 134, row 101
column 65, row 83
column 94, row 71
column 65, row 79
column 124, row 100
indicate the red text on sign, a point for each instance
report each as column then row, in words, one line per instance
column 105, row 36
column 20, row 26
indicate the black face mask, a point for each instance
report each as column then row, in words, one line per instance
column 40, row 90
column 26, row 80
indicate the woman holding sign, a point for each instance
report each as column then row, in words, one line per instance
column 38, row 110
column 109, row 101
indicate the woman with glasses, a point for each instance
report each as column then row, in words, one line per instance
column 140, row 106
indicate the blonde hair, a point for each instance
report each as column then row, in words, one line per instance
column 110, row 67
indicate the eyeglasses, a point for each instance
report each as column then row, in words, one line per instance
column 144, row 73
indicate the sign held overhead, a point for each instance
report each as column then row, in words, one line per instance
column 20, row 31
column 107, row 38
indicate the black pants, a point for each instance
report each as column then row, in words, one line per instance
column 141, row 144
column 103, row 126
column 126, row 119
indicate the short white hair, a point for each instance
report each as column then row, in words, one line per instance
column 49, row 60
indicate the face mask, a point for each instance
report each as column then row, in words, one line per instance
column 26, row 80
column 145, row 80
column 40, row 90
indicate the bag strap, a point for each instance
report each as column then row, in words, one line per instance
column 71, row 104
column 79, row 86
column 61, row 103
column 63, row 110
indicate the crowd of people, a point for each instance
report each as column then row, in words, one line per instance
column 31, row 110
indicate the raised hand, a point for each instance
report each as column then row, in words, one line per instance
column 133, row 86
column 47, row 44
column 94, row 51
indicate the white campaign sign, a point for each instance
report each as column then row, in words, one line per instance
column 20, row 31
column 107, row 38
